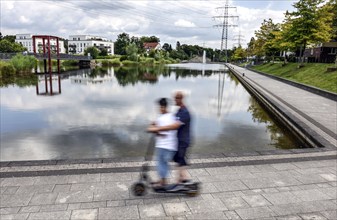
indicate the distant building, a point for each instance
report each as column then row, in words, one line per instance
column 151, row 46
column 84, row 79
column 325, row 53
column 78, row 43
column 26, row 40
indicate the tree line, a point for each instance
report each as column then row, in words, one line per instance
column 312, row 22
column 131, row 47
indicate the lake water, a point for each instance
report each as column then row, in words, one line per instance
column 103, row 113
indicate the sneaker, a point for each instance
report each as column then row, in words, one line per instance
column 187, row 182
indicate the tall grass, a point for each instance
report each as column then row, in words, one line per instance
column 23, row 63
column 6, row 69
column 129, row 63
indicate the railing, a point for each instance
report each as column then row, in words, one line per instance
column 7, row 56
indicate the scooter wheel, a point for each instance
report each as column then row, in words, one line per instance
column 139, row 189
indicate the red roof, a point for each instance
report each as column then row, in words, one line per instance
column 151, row 45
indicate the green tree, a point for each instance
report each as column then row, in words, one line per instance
column 131, row 52
column 177, row 45
column 138, row 43
column 8, row 47
column 122, row 41
column 331, row 7
column 94, row 52
column 250, row 47
column 103, row 52
column 308, row 24
column 167, row 47
column 152, row 39
column 239, row 54
column 265, row 44
column 10, row 38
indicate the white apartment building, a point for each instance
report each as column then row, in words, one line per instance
column 78, row 43
column 26, row 40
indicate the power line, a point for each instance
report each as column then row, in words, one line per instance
column 225, row 26
column 240, row 38
column 153, row 18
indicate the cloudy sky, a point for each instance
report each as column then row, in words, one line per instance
column 190, row 22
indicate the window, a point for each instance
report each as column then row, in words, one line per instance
column 333, row 50
column 78, row 38
column 81, row 44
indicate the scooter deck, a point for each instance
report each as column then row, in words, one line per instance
column 193, row 187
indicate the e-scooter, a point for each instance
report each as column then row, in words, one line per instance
column 140, row 188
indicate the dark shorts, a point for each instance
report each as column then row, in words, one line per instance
column 180, row 155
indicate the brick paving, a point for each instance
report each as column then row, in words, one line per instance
column 296, row 190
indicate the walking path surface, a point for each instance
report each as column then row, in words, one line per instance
column 277, row 184
column 315, row 114
column 275, row 190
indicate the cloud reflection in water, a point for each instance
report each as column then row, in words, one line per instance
column 108, row 119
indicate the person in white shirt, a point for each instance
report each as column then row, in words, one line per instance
column 166, row 142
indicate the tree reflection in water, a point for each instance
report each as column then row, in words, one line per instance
column 279, row 135
column 24, row 80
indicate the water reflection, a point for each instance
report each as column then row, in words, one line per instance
column 103, row 113
column 46, row 82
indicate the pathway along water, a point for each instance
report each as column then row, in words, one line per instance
column 102, row 113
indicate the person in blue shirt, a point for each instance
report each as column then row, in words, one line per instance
column 182, row 125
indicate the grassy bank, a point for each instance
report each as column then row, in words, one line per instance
column 313, row 74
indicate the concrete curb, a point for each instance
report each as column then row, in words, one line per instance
column 213, row 164
column 142, row 159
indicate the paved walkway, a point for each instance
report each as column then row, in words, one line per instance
column 282, row 190
column 315, row 114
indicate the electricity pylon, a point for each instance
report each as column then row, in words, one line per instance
column 225, row 25
column 239, row 38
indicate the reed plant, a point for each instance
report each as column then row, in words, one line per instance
column 6, row 69
column 23, row 63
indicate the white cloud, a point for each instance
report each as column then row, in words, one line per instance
column 190, row 22
column 184, row 23
column 24, row 20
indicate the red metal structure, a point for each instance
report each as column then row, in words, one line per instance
column 46, row 45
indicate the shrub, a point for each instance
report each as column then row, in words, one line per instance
column 115, row 62
column 148, row 61
column 94, row 52
column 105, row 63
column 129, row 63
column 6, row 69
column 124, row 57
column 23, row 63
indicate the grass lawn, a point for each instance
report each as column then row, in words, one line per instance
column 313, row 74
